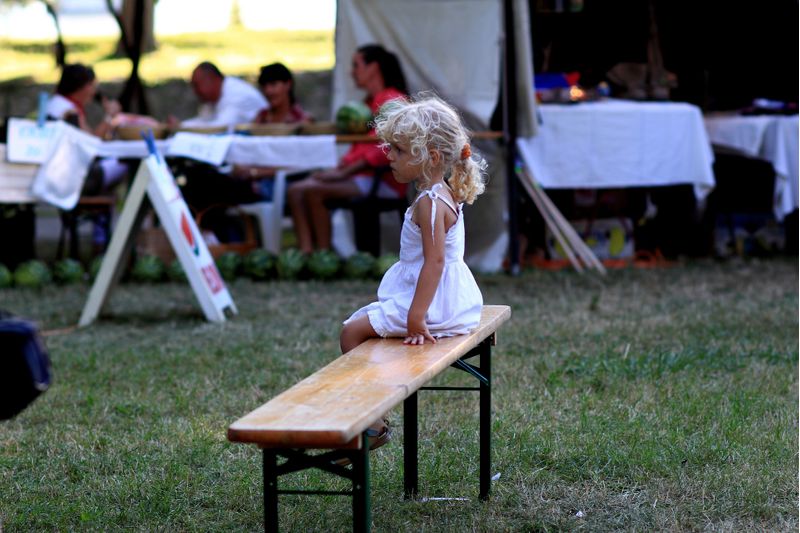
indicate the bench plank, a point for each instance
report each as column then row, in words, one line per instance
column 332, row 407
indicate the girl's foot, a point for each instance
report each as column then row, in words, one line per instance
column 378, row 434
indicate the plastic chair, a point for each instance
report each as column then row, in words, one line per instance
column 270, row 214
column 366, row 214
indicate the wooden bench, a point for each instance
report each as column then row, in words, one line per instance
column 332, row 409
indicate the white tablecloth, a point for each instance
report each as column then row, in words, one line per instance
column 65, row 163
column 772, row 138
column 618, row 143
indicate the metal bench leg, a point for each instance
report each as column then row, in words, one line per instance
column 486, row 421
column 410, row 451
column 270, row 459
column 362, row 510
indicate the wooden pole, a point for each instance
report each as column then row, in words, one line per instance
column 581, row 248
column 550, row 221
column 559, row 225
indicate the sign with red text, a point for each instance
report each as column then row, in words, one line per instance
column 154, row 181
column 186, row 240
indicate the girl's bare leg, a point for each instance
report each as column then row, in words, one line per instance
column 356, row 332
column 353, row 334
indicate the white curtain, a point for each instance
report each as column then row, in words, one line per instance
column 453, row 47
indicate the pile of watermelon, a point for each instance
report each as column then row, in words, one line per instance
column 324, row 264
column 353, row 117
column 33, row 274
column 258, row 265
column 68, row 271
column 148, row 269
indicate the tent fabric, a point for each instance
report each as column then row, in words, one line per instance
column 463, row 66
column 455, row 48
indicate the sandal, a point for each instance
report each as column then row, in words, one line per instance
column 376, row 437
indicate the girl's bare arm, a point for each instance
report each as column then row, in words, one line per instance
column 431, row 272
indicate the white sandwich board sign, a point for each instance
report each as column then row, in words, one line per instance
column 29, row 142
column 155, row 180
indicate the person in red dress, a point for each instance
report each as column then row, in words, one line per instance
column 376, row 71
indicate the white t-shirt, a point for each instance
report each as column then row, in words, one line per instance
column 58, row 106
column 239, row 103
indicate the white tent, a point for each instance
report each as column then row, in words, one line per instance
column 457, row 49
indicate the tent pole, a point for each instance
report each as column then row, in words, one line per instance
column 510, row 132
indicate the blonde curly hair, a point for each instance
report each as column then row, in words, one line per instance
column 425, row 122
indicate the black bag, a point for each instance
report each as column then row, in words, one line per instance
column 24, row 365
column 17, row 234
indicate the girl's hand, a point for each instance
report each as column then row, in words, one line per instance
column 418, row 332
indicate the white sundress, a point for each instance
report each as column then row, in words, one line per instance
column 456, row 306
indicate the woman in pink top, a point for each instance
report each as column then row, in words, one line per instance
column 376, row 71
column 277, row 85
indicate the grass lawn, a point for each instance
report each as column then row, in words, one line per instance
column 237, row 51
column 646, row 400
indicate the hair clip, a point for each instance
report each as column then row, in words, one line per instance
column 466, row 152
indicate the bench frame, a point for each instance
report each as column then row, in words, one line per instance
column 297, row 459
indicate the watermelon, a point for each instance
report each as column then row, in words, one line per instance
column 290, row 264
column 33, row 273
column 148, row 269
column 259, row 264
column 175, row 271
column 384, row 263
column 94, row 266
column 359, row 265
column 6, row 277
column 229, row 265
column 68, row 271
column 353, row 117
column 324, row 264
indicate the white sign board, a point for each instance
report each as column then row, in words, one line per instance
column 30, row 143
column 155, row 180
column 186, row 240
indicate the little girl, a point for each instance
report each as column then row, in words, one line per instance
column 430, row 292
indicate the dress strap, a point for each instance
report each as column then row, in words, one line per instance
column 434, row 195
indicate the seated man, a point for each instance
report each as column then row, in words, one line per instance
column 211, row 190
column 225, row 100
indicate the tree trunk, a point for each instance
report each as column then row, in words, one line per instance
column 59, row 49
column 128, row 15
column 133, row 94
